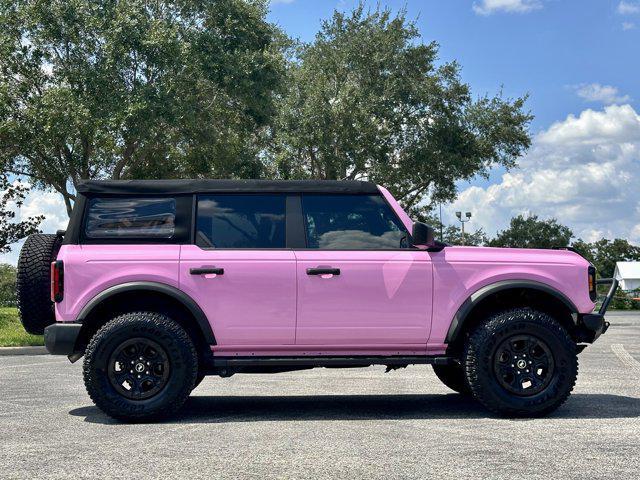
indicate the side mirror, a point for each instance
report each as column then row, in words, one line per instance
column 422, row 234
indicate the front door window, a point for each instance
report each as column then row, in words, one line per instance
column 351, row 222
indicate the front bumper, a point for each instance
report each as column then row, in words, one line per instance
column 595, row 324
column 60, row 338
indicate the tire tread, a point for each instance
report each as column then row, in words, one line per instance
column 33, row 281
column 483, row 335
column 150, row 319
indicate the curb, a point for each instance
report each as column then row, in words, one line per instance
column 5, row 351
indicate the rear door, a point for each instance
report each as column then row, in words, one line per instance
column 239, row 270
column 358, row 281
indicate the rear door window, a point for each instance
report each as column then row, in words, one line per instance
column 240, row 221
column 130, row 218
column 351, row 222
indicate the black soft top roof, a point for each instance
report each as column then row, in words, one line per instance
column 172, row 187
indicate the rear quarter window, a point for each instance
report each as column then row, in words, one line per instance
column 130, row 218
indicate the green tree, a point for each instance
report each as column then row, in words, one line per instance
column 604, row 254
column 135, row 89
column 623, row 301
column 531, row 232
column 12, row 195
column 7, row 285
column 367, row 99
column 453, row 236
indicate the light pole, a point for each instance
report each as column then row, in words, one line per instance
column 463, row 220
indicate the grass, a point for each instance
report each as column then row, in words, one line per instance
column 12, row 334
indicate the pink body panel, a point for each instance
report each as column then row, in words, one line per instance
column 253, row 303
column 402, row 215
column 380, row 297
column 90, row 269
column 458, row 272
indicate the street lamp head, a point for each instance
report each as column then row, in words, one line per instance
column 468, row 214
column 459, row 214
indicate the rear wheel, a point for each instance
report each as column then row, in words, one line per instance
column 453, row 376
column 521, row 363
column 140, row 366
column 33, row 282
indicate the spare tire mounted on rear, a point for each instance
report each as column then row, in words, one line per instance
column 33, row 285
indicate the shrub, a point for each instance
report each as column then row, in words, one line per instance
column 7, row 285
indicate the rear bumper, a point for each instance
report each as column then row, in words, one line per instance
column 60, row 338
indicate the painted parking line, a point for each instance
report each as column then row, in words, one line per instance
column 23, row 365
column 625, row 357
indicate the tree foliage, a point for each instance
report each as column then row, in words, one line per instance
column 136, row 88
column 140, row 89
column 367, row 99
column 453, row 236
column 12, row 195
column 531, row 232
column 604, row 253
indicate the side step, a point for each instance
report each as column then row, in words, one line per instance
column 327, row 361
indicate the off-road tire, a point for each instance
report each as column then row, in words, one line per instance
column 160, row 329
column 478, row 362
column 453, row 376
column 33, row 283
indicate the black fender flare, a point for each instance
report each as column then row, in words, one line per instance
column 475, row 298
column 188, row 302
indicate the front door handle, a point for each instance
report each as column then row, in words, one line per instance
column 323, row 271
column 207, row 271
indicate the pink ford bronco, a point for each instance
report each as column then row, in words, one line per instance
column 160, row 283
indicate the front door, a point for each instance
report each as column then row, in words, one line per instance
column 239, row 271
column 358, row 283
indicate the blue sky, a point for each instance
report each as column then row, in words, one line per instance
column 578, row 61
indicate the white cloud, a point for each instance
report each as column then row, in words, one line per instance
column 628, row 26
column 275, row 2
column 487, row 7
column 594, row 92
column 582, row 170
column 37, row 202
column 628, row 8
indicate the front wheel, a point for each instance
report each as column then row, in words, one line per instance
column 521, row 363
column 140, row 366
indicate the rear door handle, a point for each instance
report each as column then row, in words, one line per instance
column 323, row 271
column 207, row 271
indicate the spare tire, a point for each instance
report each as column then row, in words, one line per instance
column 33, row 286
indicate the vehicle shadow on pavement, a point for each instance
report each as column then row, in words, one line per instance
column 224, row 409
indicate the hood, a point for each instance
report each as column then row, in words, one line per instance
column 514, row 255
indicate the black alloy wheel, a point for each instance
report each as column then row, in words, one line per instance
column 523, row 365
column 139, row 368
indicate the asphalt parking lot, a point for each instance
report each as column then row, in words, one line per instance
column 322, row 423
